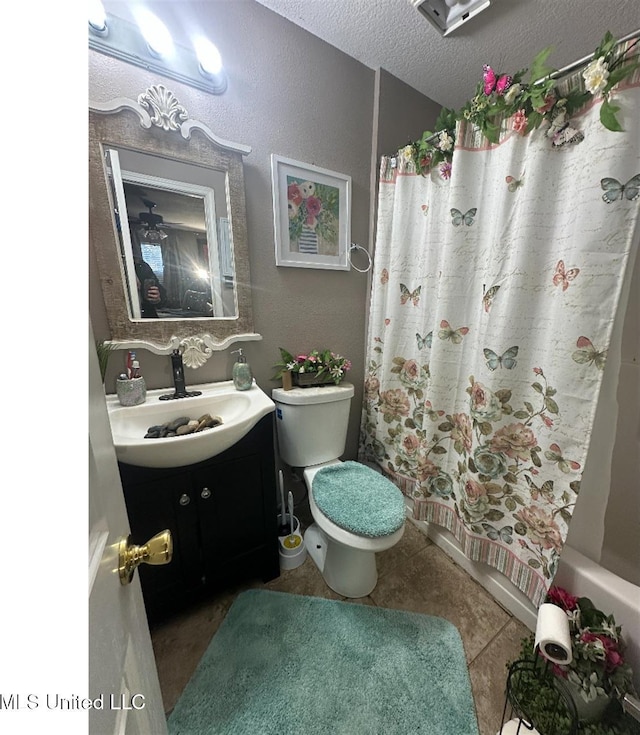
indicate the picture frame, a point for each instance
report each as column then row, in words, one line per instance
column 311, row 214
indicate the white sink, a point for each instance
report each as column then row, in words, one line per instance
column 240, row 411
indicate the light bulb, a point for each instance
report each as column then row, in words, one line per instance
column 155, row 33
column 208, row 56
column 97, row 16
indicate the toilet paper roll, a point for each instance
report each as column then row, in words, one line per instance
column 552, row 634
column 516, row 727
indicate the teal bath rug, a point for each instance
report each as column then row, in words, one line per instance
column 283, row 663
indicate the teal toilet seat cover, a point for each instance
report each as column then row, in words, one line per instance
column 358, row 499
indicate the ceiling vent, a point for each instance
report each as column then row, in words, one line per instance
column 449, row 15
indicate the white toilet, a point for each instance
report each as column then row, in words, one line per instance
column 361, row 512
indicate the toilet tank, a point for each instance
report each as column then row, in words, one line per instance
column 311, row 423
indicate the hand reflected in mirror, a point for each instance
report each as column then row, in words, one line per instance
column 151, row 292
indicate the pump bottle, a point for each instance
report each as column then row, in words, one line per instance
column 241, row 373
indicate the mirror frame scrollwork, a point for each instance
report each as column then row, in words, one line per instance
column 157, row 124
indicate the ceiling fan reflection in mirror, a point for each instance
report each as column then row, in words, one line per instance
column 152, row 225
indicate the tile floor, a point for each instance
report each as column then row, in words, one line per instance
column 414, row 575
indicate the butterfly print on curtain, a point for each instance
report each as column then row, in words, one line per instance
column 587, row 354
column 406, row 295
column 489, row 295
column 564, row 277
column 614, row 190
column 458, row 218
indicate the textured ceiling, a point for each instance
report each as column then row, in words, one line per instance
column 392, row 34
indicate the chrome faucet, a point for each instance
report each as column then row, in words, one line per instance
column 177, row 370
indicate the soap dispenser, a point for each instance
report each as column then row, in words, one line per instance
column 241, row 373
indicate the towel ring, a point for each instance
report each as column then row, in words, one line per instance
column 355, row 246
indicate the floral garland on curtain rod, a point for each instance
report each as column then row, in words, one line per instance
column 501, row 96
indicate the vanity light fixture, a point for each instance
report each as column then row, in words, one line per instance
column 149, row 46
column 448, row 15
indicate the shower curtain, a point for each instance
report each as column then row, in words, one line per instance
column 493, row 300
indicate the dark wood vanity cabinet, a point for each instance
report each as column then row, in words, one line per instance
column 222, row 517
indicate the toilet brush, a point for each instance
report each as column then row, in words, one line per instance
column 293, row 540
column 283, row 529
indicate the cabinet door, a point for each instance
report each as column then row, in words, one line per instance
column 152, row 507
column 232, row 516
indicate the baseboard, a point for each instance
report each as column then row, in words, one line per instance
column 496, row 584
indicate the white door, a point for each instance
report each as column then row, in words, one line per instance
column 122, row 668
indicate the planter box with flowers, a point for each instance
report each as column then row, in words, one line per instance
column 318, row 367
column 596, row 679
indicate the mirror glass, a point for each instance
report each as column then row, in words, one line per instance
column 168, row 226
column 176, row 249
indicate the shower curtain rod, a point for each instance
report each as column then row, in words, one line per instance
column 561, row 72
column 577, row 64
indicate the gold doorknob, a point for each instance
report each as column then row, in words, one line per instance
column 158, row 550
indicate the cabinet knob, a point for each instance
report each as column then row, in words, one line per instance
column 206, row 493
column 184, row 499
column 157, row 550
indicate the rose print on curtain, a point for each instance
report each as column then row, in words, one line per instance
column 491, row 314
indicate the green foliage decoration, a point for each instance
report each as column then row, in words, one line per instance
column 598, row 668
column 317, row 362
column 536, row 689
column 532, row 98
column 103, row 350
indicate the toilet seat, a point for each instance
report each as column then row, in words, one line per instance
column 340, row 534
column 359, row 499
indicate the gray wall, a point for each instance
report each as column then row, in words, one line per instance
column 292, row 94
column 401, row 115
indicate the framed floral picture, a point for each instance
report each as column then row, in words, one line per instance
column 311, row 213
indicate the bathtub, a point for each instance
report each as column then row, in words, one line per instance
column 582, row 577
column 576, row 573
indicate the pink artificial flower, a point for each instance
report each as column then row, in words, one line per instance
column 612, row 656
column 549, row 102
column 520, row 122
column 614, row 659
column 560, row 597
column 445, row 170
column 537, row 371
column 547, row 421
column 301, row 358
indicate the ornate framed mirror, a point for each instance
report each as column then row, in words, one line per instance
column 168, row 226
